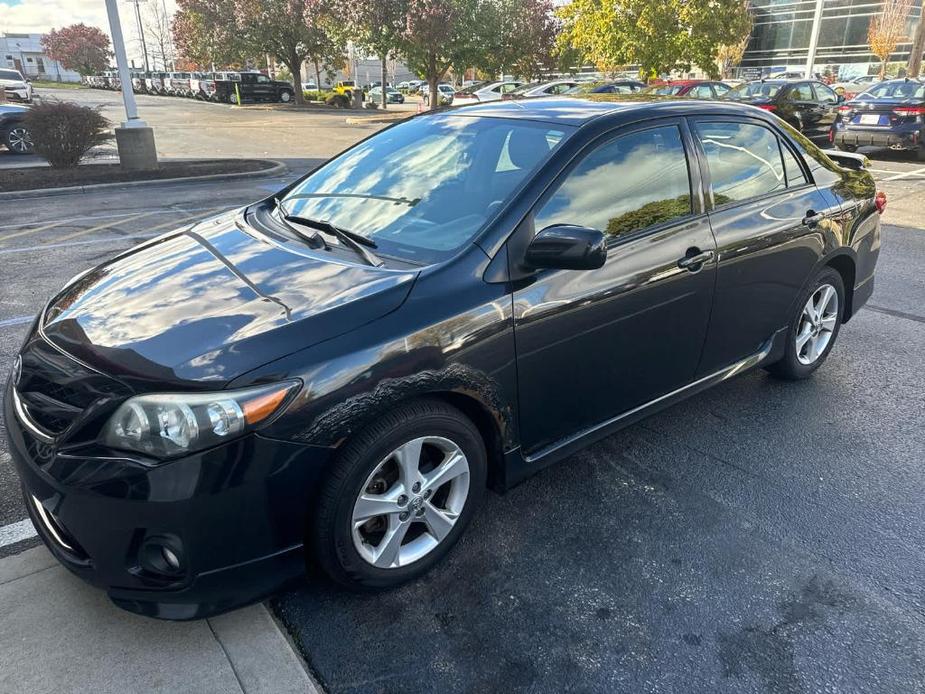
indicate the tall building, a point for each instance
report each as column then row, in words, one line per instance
column 24, row 52
column 781, row 35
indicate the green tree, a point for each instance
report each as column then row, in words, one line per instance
column 659, row 37
column 376, row 26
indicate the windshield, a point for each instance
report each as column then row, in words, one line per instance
column 895, row 90
column 10, row 75
column 425, row 187
column 753, row 90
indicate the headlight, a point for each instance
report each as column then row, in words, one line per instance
column 171, row 424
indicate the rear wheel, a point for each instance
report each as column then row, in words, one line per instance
column 285, row 97
column 399, row 496
column 813, row 330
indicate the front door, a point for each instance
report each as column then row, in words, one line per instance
column 769, row 222
column 593, row 344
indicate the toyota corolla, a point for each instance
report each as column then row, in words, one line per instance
column 333, row 376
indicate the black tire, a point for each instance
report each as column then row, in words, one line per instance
column 790, row 367
column 331, row 535
column 18, row 140
column 285, row 96
column 847, row 148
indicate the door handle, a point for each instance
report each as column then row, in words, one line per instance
column 812, row 218
column 695, row 259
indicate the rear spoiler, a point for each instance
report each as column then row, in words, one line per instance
column 849, row 160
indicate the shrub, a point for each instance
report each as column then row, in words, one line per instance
column 63, row 132
column 316, row 95
column 339, row 100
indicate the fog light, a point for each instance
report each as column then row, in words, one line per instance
column 162, row 555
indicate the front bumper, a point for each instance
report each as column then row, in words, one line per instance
column 24, row 95
column 235, row 516
column 861, row 137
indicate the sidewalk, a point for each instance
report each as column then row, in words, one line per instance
column 61, row 635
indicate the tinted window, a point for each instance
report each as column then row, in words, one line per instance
column 801, row 92
column 744, row 160
column 753, row 90
column 629, row 183
column 423, row 188
column 720, row 88
column 895, row 90
column 795, row 175
column 10, row 75
column 824, row 94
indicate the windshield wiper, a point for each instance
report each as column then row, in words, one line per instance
column 358, row 243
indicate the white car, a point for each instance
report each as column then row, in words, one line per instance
column 484, row 91
column 16, row 86
column 535, row 89
column 446, row 92
column 856, row 85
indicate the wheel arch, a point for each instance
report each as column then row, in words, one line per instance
column 846, row 266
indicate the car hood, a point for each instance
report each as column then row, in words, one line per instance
column 210, row 302
column 18, row 84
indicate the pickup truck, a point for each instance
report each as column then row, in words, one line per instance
column 252, row 86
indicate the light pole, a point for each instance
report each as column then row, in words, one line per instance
column 141, row 32
column 135, row 140
column 813, row 40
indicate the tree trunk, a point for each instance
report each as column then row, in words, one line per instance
column 317, row 79
column 918, row 47
column 434, row 95
column 295, row 69
column 883, row 69
column 385, row 100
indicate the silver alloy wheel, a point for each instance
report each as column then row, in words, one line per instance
column 410, row 502
column 19, row 140
column 817, row 324
column 284, row 97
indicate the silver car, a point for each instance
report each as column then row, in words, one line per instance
column 485, row 91
column 535, row 89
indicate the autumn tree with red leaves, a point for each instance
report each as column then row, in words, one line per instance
column 78, row 47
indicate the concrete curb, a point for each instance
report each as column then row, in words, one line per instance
column 384, row 118
column 277, row 168
column 84, row 641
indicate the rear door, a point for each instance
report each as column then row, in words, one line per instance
column 827, row 101
column 769, row 221
column 593, row 344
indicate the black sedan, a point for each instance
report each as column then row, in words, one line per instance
column 889, row 114
column 807, row 105
column 14, row 134
column 336, row 374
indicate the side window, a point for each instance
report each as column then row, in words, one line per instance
column 795, row 175
column 744, row 160
column 720, row 88
column 824, row 94
column 802, row 92
column 702, row 91
column 262, row 79
column 629, row 183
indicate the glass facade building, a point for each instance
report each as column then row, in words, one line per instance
column 781, row 34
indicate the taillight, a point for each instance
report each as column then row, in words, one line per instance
column 845, row 109
column 909, row 110
column 880, row 201
column 767, row 107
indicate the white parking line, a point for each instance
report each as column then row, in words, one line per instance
column 19, row 320
column 16, row 532
column 897, row 177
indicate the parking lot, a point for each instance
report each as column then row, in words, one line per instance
column 761, row 536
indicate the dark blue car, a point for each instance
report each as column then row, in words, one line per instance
column 890, row 114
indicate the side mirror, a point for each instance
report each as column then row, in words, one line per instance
column 567, row 247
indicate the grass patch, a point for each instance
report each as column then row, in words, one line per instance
column 43, row 84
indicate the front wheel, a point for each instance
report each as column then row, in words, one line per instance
column 815, row 327
column 18, row 140
column 285, row 97
column 399, row 496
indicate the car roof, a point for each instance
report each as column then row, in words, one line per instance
column 12, row 108
column 576, row 111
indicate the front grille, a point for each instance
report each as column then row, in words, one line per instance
column 54, row 390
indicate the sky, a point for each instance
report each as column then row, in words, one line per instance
column 39, row 16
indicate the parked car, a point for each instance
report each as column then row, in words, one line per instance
column 793, row 75
column 252, row 86
column 623, row 86
column 345, row 87
column 309, row 86
column 177, row 83
column 333, row 376
column 889, row 115
column 16, row 87
column 446, row 94
column 13, row 133
column 537, row 89
column 693, row 89
column 392, row 96
column 854, row 86
column 810, row 107
column 484, row 91
column 154, row 82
